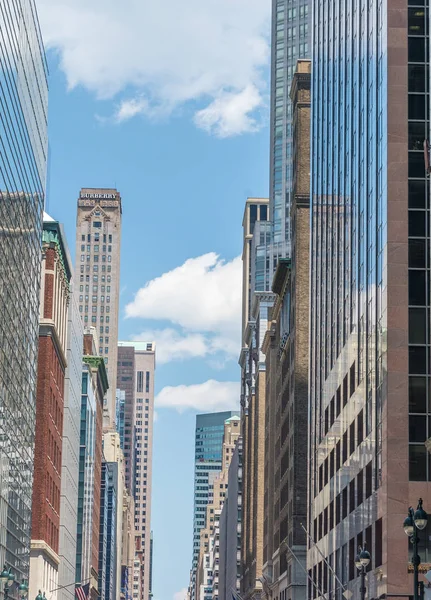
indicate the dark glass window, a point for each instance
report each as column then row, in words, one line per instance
column 378, row 558
column 417, row 428
column 416, row 130
column 417, row 249
column 416, row 164
column 416, row 49
column 417, row 113
column 417, row 462
column 416, row 21
column 417, row 325
column 417, row 194
column 263, row 213
column 417, row 359
column 417, row 223
column 416, row 78
column 417, row 288
column 417, row 395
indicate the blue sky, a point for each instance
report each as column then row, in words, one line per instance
column 170, row 107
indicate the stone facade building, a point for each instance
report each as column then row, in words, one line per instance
column 97, row 276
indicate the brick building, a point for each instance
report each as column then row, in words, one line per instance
column 55, row 279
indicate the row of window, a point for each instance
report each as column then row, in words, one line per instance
column 95, row 278
column 97, row 237
column 96, row 257
column 95, row 268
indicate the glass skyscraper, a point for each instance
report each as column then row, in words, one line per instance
column 208, row 463
column 291, row 35
column 370, row 291
column 23, row 139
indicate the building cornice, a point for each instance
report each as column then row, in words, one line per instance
column 42, row 546
column 96, row 363
column 48, row 329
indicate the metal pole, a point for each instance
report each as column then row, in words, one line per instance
column 363, row 588
column 416, row 563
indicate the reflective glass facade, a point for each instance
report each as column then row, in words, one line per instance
column 23, row 145
column 349, row 256
column 291, row 37
column 370, row 285
column 208, row 463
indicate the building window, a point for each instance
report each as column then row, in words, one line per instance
column 140, row 382
column 147, row 382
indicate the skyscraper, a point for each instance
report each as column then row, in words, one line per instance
column 208, row 462
column 370, row 278
column 97, row 276
column 23, row 135
column 139, row 360
column 290, row 40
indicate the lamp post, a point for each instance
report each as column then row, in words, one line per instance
column 7, row 579
column 415, row 520
column 362, row 561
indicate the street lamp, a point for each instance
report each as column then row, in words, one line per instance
column 362, row 561
column 23, row 589
column 7, row 578
column 415, row 520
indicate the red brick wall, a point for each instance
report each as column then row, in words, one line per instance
column 48, row 445
column 49, row 284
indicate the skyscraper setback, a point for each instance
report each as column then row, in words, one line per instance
column 97, row 276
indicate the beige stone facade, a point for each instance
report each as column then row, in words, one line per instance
column 97, row 276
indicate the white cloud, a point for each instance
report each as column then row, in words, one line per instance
column 230, row 114
column 207, row 397
column 171, row 52
column 182, row 345
column 181, row 595
column 174, row 345
column 203, row 298
column 130, row 108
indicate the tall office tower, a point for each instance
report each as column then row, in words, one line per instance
column 70, row 454
column 369, row 366
column 126, row 389
column 23, row 135
column 51, row 366
column 97, row 276
column 290, row 40
column 230, row 530
column 207, row 578
column 143, row 367
column 94, row 388
column 286, row 349
column 208, row 463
